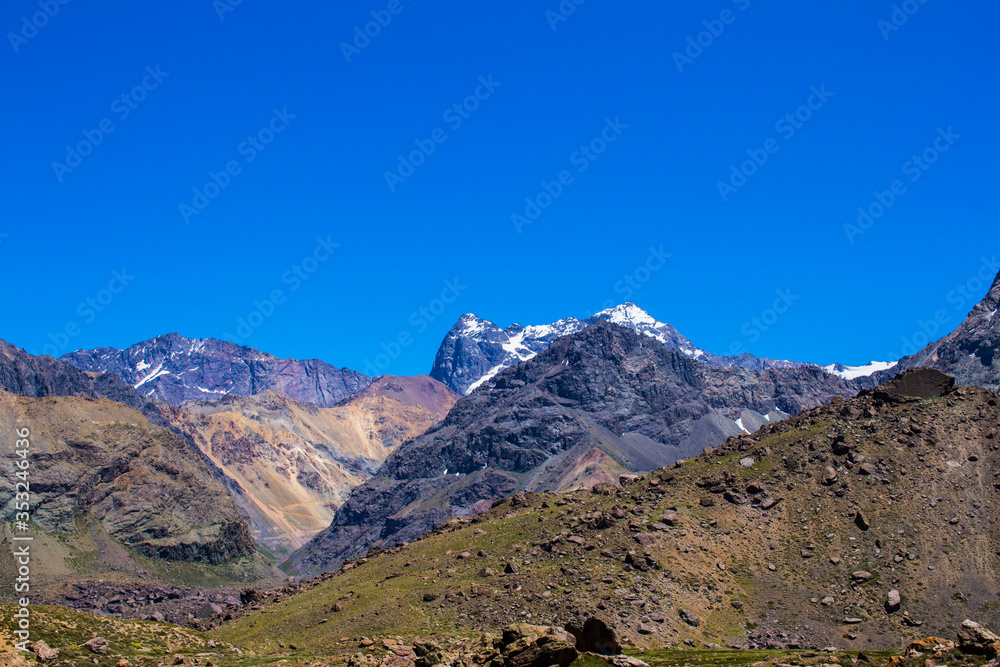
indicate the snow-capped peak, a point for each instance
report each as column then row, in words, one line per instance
column 627, row 314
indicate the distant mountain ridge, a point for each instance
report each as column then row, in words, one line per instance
column 177, row 369
column 475, row 349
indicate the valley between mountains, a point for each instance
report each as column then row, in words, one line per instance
column 197, row 498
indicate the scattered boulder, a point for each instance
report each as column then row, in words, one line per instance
column 861, row 522
column 892, row 600
column 250, row 595
column 690, row 617
column 861, row 576
column 645, row 539
column 735, row 498
column 43, row 652
column 207, row 610
column 623, row 661
column 98, row 645
column 929, row 645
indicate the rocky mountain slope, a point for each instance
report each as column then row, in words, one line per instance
column 290, row 465
column 99, row 471
column 848, row 525
column 475, row 350
column 972, row 351
column 591, row 405
column 177, row 369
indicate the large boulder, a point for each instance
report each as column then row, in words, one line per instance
column 526, row 645
column 595, row 637
column 918, row 383
column 976, row 639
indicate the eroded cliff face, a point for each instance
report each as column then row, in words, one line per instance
column 290, row 465
column 142, row 483
column 593, row 404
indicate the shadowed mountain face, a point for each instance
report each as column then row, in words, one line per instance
column 289, row 465
column 177, row 369
column 27, row 375
column 971, row 353
column 593, row 404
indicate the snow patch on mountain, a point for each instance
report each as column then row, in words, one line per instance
column 853, row 372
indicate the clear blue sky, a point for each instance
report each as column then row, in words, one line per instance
column 213, row 83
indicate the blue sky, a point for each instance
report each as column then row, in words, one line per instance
column 622, row 131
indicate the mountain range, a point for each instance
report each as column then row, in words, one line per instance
column 327, row 463
column 177, row 369
column 591, row 405
column 475, row 350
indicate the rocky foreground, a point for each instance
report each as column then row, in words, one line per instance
column 68, row 639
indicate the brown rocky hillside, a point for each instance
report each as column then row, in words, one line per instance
column 110, row 491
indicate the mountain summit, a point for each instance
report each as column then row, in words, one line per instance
column 475, row 349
